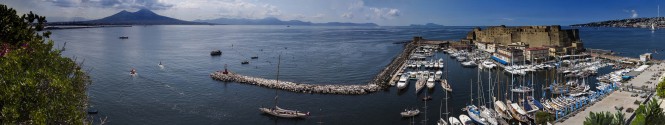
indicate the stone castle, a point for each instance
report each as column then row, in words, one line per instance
column 567, row 41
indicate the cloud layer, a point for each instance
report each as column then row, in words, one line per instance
column 119, row 4
column 359, row 8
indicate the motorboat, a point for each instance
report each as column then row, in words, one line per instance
column 488, row 64
column 488, row 115
column 132, row 72
column 123, row 37
column 284, row 113
column 437, row 75
column 403, row 81
column 430, row 81
column 469, row 64
column 410, row 113
column 244, row 62
column 215, row 53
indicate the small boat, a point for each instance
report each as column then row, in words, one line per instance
column 215, row 53
column 284, row 113
column 410, row 113
column 254, row 57
column 160, row 65
column 132, row 72
column 123, row 37
column 244, row 62
column 465, row 120
column 454, row 121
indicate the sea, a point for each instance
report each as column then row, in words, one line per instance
column 182, row 92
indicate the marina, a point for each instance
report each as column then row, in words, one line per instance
column 360, row 62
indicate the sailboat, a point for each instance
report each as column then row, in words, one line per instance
column 653, row 27
column 444, row 82
column 442, row 121
column 279, row 112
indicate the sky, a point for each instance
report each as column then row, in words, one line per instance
column 381, row 12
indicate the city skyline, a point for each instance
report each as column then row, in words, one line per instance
column 385, row 13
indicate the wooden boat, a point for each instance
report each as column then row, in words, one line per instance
column 284, row 113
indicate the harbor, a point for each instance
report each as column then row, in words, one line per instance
column 566, row 90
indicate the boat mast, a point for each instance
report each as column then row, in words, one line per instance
column 279, row 61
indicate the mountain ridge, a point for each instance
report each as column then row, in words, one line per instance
column 140, row 17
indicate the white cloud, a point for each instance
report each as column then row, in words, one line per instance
column 507, row 19
column 633, row 13
column 347, row 15
column 359, row 8
column 318, row 16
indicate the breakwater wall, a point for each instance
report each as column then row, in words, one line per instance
column 297, row 87
column 379, row 82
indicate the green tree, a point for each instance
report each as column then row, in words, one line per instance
column 600, row 118
column 660, row 88
column 649, row 114
column 544, row 117
column 619, row 118
column 37, row 85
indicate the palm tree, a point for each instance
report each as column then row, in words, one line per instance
column 601, row 118
column 649, row 114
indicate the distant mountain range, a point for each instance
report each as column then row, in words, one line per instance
column 633, row 22
column 426, row 25
column 275, row 21
column 141, row 17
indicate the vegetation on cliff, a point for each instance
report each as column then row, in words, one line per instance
column 37, row 85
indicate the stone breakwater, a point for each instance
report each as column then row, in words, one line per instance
column 381, row 81
column 297, row 87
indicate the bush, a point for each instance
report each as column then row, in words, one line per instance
column 544, row 117
column 37, row 85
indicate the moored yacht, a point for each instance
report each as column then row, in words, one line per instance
column 403, row 81
column 454, row 121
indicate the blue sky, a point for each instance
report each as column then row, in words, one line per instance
column 382, row 12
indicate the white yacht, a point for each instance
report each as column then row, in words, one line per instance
column 403, row 81
column 430, row 80
column 469, row 64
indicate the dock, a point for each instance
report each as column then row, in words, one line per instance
column 297, row 87
column 380, row 82
column 620, row 98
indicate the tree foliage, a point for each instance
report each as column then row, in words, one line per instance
column 37, row 85
column 649, row 114
column 605, row 118
column 544, row 117
column 660, row 88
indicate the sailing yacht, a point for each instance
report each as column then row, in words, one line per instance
column 454, row 121
column 653, row 27
column 279, row 112
column 430, row 80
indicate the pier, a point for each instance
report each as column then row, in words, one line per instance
column 379, row 82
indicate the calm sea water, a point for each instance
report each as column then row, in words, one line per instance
column 183, row 93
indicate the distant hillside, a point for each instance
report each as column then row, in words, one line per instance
column 426, row 25
column 275, row 21
column 633, row 22
column 141, row 17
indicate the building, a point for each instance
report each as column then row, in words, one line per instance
column 485, row 46
column 508, row 55
column 533, row 36
column 537, row 54
column 645, row 57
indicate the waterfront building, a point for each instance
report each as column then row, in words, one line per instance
column 486, row 46
column 536, row 54
column 507, row 55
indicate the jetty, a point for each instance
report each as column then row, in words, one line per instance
column 379, row 82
